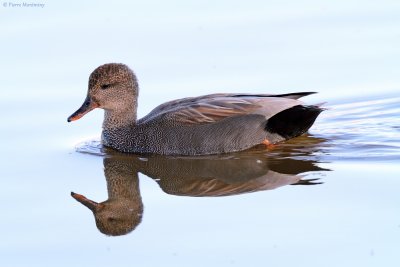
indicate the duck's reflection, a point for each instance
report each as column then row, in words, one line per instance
column 222, row 175
column 123, row 209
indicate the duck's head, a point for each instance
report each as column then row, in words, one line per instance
column 112, row 87
column 113, row 217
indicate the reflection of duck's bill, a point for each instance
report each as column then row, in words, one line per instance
column 87, row 106
column 92, row 205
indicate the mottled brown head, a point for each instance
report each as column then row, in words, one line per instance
column 113, row 217
column 112, row 86
column 118, row 218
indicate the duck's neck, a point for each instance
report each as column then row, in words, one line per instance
column 120, row 118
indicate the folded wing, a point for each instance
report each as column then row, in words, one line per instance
column 212, row 108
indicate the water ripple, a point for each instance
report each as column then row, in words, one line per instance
column 367, row 130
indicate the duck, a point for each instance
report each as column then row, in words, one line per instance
column 204, row 125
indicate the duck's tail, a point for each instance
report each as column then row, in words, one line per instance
column 293, row 121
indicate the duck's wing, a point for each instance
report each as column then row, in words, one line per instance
column 296, row 95
column 212, row 108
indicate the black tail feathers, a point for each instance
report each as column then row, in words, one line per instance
column 294, row 121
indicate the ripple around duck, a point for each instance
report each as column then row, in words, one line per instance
column 368, row 130
column 92, row 147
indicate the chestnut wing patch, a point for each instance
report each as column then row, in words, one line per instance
column 213, row 110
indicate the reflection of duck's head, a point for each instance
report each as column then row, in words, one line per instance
column 113, row 217
column 122, row 212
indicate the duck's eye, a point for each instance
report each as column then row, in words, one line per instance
column 105, row 86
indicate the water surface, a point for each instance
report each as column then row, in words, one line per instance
column 329, row 198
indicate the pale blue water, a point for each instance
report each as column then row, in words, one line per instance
column 345, row 50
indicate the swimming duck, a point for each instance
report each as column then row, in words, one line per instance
column 209, row 124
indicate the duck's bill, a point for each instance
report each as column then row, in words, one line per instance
column 87, row 106
column 92, row 205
